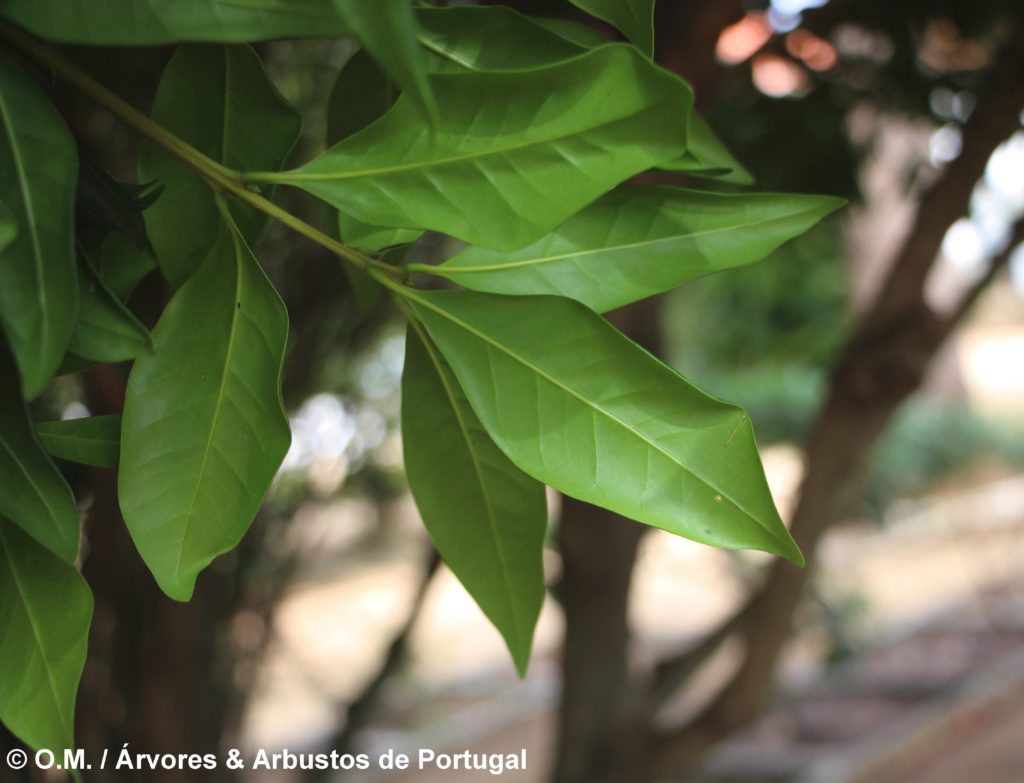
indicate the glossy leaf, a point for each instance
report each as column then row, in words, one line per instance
column 490, row 38
column 577, row 405
column 387, row 30
column 517, row 152
column 94, row 440
column 46, row 608
column 486, row 517
column 635, row 18
column 204, row 430
column 38, row 289
column 106, row 330
column 150, row 22
column 219, row 100
column 641, row 240
column 33, row 494
column 499, row 38
column 707, row 156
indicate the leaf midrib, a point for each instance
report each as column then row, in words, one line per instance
column 517, row 626
column 217, row 409
column 29, row 209
column 12, row 567
column 31, row 482
column 589, row 404
column 298, row 175
column 83, row 440
column 525, row 262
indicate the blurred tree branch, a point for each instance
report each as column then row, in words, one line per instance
column 885, row 361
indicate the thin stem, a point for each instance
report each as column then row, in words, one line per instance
column 218, row 176
column 273, row 177
column 427, row 269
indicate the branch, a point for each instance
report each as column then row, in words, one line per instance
column 881, row 366
column 218, row 176
column 671, row 673
column 361, row 709
column 996, row 266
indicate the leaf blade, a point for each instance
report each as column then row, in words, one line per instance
column 93, row 440
column 489, row 524
column 152, row 22
column 8, row 228
column 584, row 409
column 106, row 330
column 35, row 495
column 204, row 431
column 707, row 156
column 491, row 38
column 212, row 97
column 635, row 18
column 47, row 610
column 498, row 176
column 38, row 289
column 388, row 31
column 641, row 240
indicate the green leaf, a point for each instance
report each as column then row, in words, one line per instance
column 363, row 236
column 635, row 18
column 361, row 94
column 204, row 429
column 517, row 152
column 34, row 494
column 486, row 517
column 489, row 38
column 387, row 30
column 46, row 608
column 640, row 240
column 38, row 290
column 106, row 331
column 707, row 156
column 579, row 34
column 94, row 440
column 8, row 228
column 151, row 22
column 102, row 203
column 219, row 100
column 121, row 265
column 577, row 405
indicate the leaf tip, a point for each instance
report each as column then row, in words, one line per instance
column 520, row 658
column 790, row 550
column 179, row 588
